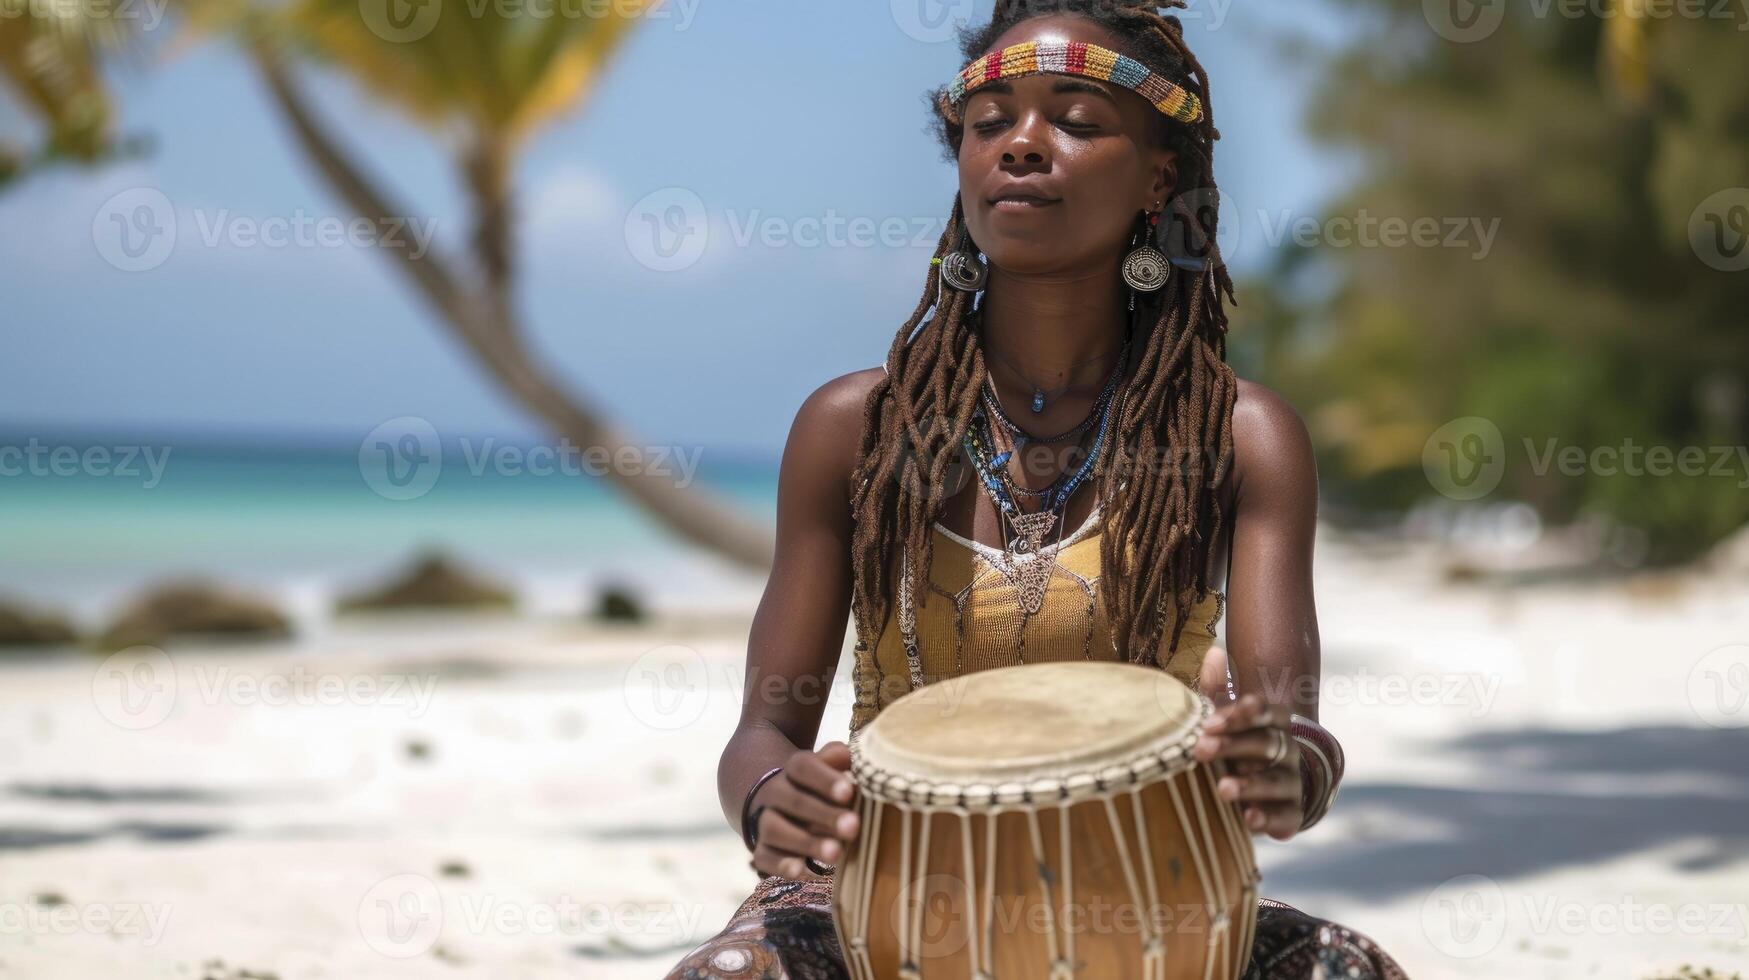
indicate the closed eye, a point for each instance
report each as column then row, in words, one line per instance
column 1075, row 126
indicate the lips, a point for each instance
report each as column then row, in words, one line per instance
column 1026, row 194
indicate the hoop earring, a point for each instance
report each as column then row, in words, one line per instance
column 1146, row 269
column 961, row 268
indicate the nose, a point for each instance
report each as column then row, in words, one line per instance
column 1027, row 147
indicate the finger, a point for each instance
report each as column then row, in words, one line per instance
column 784, row 836
column 836, row 755
column 807, row 810
column 1280, row 821
column 815, row 775
column 1277, row 785
column 1258, row 744
column 1239, row 715
column 1258, row 713
column 771, row 861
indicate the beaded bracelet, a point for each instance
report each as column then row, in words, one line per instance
column 1321, row 765
column 1077, row 58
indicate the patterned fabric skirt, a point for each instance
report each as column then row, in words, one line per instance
column 783, row 931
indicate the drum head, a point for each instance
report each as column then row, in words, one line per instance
column 1013, row 722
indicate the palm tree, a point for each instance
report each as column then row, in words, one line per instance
column 51, row 64
column 484, row 82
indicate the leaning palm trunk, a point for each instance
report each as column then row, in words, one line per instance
column 483, row 316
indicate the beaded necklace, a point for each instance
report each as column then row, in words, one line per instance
column 1024, row 561
column 1020, row 437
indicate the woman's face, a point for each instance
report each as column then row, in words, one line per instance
column 1054, row 169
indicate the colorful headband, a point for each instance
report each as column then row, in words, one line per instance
column 1077, row 58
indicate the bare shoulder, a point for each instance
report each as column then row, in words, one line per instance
column 1272, row 448
column 827, row 432
column 834, row 409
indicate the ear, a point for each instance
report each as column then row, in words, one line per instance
column 1165, row 175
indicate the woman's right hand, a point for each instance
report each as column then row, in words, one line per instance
column 806, row 813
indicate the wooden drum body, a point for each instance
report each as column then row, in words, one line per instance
column 1044, row 821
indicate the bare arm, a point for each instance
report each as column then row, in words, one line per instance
column 798, row 631
column 1272, row 629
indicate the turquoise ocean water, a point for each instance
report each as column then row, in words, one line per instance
column 306, row 523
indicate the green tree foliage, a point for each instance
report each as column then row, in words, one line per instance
column 1612, row 146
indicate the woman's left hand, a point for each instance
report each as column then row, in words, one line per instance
column 1249, row 733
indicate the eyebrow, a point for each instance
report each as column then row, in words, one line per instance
column 1062, row 85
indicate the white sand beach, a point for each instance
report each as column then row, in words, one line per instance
column 1544, row 781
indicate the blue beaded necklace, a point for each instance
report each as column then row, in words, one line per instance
column 993, row 473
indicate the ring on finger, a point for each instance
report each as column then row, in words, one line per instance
column 1279, row 746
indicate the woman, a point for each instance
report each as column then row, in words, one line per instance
column 968, row 501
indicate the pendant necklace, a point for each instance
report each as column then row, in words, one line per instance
column 1041, row 394
column 1024, row 560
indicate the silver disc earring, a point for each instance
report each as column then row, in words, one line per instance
column 961, row 268
column 1146, row 269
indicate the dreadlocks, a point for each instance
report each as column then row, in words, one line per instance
column 1157, row 493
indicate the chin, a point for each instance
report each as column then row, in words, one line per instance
column 1024, row 258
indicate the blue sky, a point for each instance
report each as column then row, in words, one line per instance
column 787, row 109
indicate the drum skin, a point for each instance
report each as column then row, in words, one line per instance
column 1158, row 862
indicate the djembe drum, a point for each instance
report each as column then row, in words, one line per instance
column 1044, row 821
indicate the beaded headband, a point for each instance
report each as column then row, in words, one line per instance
column 1077, row 58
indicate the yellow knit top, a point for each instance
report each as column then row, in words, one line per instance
column 972, row 620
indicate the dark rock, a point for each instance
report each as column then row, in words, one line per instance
column 192, row 608
column 21, row 626
column 434, row 582
column 618, row 604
